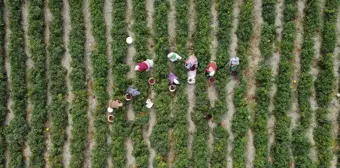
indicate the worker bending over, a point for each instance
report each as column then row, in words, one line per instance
column 145, row 65
column 212, row 68
column 173, row 79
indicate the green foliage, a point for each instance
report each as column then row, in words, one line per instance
column 3, row 86
column 38, row 79
column 79, row 105
column 100, row 66
column 283, row 100
column 201, row 154
column 263, row 84
column 18, row 126
column 324, row 85
column 57, row 83
column 180, row 106
column 300, row 142
column 140, row 43
column 224, row 8
column 241, row 120
column 120, row 69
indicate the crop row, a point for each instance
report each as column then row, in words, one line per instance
column 140, row 150
column 181, row 104
column 120, row 69
column 3, row 86
column 57, row 83
column 301, row 143
column 38, row 79
column 324, row 85
column 79, row 105
column 263, row 84
column 241, row 119
column 225, row 10
column 160, row 137
column 201, row 154
column 18, row 126
column 281, row 150
column 100, row 66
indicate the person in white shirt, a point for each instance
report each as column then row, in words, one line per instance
column 234, row 61
column 174, row 57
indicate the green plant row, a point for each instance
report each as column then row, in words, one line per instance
column 263, row 84
column 57, row 83
column 120, row 69
column 300, row 143
column 140, row 150
column 324, row 85
column 181, row 105
column 241, row 120
column 80, row 104
column 160, row 136
column 38, row 79
column 200, row 150
column 100, row 66
column 18, row 126
column 3, row 87
column 225, row 10
column 281, row 149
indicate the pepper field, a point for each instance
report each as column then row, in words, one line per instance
column 61, row 61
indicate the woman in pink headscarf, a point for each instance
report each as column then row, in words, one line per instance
column 191, row 63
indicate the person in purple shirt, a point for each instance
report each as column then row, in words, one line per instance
column 173, row 79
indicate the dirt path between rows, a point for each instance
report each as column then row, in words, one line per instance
column 131, row 162
column 275, row 60
column 312, row 100
column 150, row 9
column 172, row 46
column 130, row 54
column 335, row 106
column 108, row 22
column 10, row 114
column 48, row 141
column 231, row 84
column 66, row 63
column 191, row 87
column 294, row 112
column 212, row 94
column 109, row 88
column 29, row 64
column 89, row 47
column 251, row 75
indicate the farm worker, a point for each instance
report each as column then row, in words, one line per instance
column 191, row 63
column 115, row 104
column 174, row 57
column 234, row 61
column 133, row 91
column 144, row 66
column 212, row 67
column 173, row 79
column 149, row 103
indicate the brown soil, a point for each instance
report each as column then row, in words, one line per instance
column 231, row 84
column 275, row 60
column 192, row 26
column 108, row 23
column 48, row 141
column 89, row 46
column 66, row 62
column 29, row 65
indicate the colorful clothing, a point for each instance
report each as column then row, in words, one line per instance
column 173, row 78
